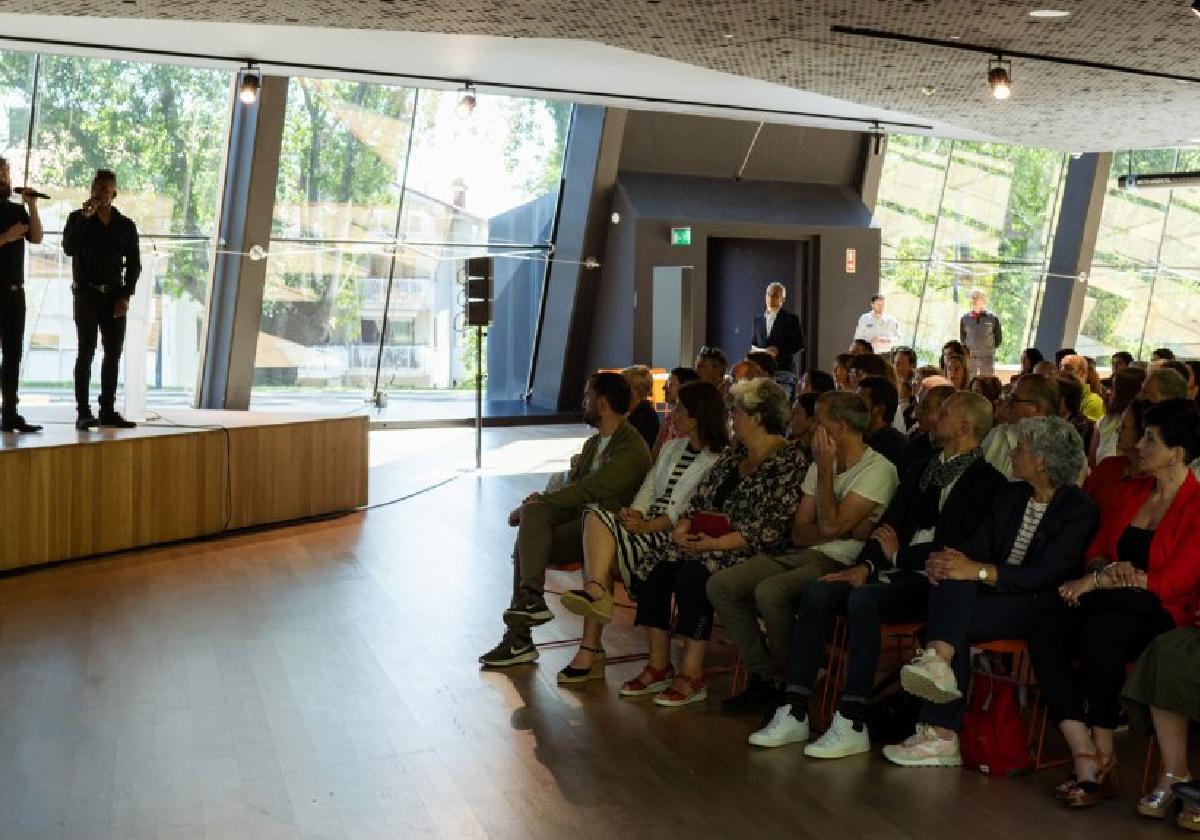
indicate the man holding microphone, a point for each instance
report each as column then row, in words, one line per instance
column 18, row 225
column 105, row 265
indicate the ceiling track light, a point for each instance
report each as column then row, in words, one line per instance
column 1000, row 77
column 466, row 101
column 251, row 83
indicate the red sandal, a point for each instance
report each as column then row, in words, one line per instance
column 650, row 681
column 697, row 693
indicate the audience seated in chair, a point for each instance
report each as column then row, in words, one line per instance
column 958, row 371
column 1123, row 390
column 677, row 378
column 1070, row 396
column 711, row 365
column 607, row 473
column 755, row 487
column 904, row 362
column 922, row 441
column 1142, row 580
column 803, row 423
column 1091, row 404
column 861, row 347
column 1163, row 384
column 882, row 401
column 1161, row 692
column 1110, row 480
column 1001, row 581
column 816, row 382
column 629, row 541
column 847, row 485
column 1033, row 396
column 642, row 415
column 1030, row 358
column 939, row 504
column 841, row 372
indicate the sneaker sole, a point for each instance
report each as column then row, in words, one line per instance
column 919, row 685
column 699, row 697
column 832, row 754
column 653, row 688
column 577, row 605
column 931, row 761
column 519, row 659
column 512, row 618
column 769, row 744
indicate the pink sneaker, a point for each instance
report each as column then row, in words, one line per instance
column 925, row 749
column 929, row 678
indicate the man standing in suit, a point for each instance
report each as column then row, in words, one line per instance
column 778, row 331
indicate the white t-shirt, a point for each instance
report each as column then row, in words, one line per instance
column 598, row 458
column 883, row 331
column 874, row 478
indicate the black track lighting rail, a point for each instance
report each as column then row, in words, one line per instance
column 992, row 50
column 286, row 64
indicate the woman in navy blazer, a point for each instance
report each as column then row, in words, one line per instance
column 1000, row 583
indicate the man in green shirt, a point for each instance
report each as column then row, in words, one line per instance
column 607, row 472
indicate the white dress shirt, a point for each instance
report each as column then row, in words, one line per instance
column 882, row 331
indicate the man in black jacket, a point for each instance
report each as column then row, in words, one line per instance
column 939, row 503
column 778, row 331
column 105, row 265
column 883, row 400
column 18, row 225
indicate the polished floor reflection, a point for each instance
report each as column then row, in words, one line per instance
column 320, row 681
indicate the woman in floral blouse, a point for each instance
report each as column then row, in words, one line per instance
column 755, row 488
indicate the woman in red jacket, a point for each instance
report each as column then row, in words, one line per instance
column 1142, row 580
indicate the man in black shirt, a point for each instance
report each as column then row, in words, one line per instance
column 17, row 225
column 105, row 264
column 882, row 399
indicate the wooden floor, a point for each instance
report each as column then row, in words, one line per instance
column 319, row 681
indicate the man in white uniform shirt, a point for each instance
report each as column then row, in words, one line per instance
column 882, row 331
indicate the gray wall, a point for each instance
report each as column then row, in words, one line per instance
column 679, row 144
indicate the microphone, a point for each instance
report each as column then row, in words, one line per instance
column 29, row 191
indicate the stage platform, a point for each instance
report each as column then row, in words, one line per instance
column 183, row 473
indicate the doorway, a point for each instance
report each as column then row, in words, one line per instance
column 739, row 271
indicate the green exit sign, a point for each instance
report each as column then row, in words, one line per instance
column 681, row 236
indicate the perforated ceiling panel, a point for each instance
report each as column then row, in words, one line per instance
column 791, row 43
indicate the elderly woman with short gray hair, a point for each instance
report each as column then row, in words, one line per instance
column 1000, row 584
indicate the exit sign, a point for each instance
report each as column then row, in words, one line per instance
column 681, row 236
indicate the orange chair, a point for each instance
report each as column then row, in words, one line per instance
column 903, row 636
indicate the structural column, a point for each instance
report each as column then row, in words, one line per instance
column 1072, row 251
column 236, row 291
column 589, row 176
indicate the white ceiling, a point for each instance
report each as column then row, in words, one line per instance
column 781, row 54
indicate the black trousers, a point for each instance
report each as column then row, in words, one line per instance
column 94, row 313
column 685, row 580
column 966, row 611
column 12, row 337
column 1102, row 637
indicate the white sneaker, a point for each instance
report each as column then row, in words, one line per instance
column 925, row 749
column 840, row 740
column 929, row 678
column 783, row 729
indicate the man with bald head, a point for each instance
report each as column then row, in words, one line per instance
column 1092, row 404
column 938, row 504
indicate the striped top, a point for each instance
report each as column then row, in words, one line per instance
column 1034, row 511
column 659, row 507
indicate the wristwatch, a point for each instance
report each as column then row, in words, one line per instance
column 983, row 573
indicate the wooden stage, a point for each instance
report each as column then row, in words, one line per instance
column 185, row 473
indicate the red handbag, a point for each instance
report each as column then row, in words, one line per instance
column 710, row 524
column 994, row 740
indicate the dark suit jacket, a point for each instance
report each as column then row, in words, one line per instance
column 786, row 335
column 1056, row 550
column 960, row 517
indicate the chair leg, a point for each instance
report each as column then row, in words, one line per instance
column 1147, row 782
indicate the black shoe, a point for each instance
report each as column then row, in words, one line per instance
column 16, row 423
column 1189, row 792
column 113, row 420
column 530, row 610
column 509, row 652
column 86, row 422
column 759, row 695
